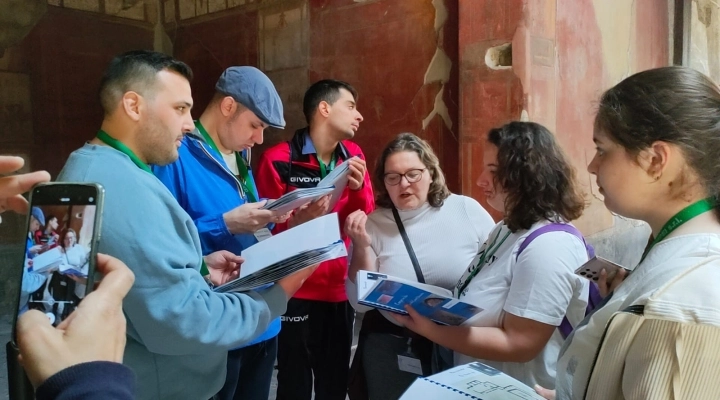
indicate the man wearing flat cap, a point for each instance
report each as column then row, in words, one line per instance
column 212, row 180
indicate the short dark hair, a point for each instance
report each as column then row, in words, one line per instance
column 676, row 105
column 137, row 71
column 438, row 191
column 533, row 171
column 327, row 90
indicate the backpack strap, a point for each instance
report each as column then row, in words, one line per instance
column 595, row 298
column 555, row 227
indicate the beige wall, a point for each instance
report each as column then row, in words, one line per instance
column 566, row 54
column 705, row 38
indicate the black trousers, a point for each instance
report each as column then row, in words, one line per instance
column 249, row 372
column 314, row 342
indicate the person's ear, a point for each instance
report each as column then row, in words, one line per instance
column 133, row 104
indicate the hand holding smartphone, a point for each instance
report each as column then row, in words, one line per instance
column 63, row 230
column 591, row 269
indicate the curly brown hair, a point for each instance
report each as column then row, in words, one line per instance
column 408, row 142
column 539, row 181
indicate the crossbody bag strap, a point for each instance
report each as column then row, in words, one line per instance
column 408, row 246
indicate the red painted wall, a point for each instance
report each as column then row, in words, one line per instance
column 488, row 98
column 384, row 49
column 211, row 46
column 66, row 55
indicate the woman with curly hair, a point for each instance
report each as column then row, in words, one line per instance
column 527, row 289
column 444, row 230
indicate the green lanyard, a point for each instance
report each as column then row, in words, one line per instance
column 685, row 215
column 490, row 251
column 120, row 146
column 324, row 170
column 245, row 182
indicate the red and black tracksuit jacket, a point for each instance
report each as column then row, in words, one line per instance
column 283, row 168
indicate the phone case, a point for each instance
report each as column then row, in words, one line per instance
column 591, row 269
column 66, row 191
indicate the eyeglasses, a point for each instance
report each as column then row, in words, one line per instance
column 411, row 176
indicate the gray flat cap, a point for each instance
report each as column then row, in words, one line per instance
column 252, row 88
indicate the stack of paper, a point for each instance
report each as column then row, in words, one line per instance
column 297, row 198
column 335, row 183
column 338, row 179
column 470, row 381
column 285, row 253
column 390, row 293
column 48, row 260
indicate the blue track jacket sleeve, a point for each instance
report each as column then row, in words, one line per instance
column 212, row 229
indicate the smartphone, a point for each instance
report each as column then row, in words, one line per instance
column 591, row 269
column 58, row 264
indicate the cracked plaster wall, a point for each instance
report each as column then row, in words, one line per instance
column 705, row 38
column 401, row 55
column 439, row 70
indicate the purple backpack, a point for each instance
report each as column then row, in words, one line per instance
column 594, row 298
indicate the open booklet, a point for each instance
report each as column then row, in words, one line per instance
column 287, row 252
column 335, row 183
column 390, row 293
column 470, row 381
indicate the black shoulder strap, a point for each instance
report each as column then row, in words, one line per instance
column 408, row 246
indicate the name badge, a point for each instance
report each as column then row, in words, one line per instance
column 409, row 364
column 262, row 234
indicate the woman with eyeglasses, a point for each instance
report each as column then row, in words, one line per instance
column 445, row 232
column 523, row 277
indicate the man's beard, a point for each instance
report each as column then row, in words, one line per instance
column 154, row 143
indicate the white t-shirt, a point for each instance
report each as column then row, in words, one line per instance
column 445, row 239
column 667, row 259
column 539, row 285
column 231, row 162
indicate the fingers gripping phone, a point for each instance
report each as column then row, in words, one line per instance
column 58, row 264
column 591, row 269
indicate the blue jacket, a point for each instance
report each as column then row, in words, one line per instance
column 204, row 186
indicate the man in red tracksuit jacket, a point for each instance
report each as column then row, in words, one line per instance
column 317, row 329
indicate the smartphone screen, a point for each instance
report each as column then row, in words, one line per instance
column 60, row 248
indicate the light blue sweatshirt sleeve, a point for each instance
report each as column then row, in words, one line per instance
column 31, row 281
